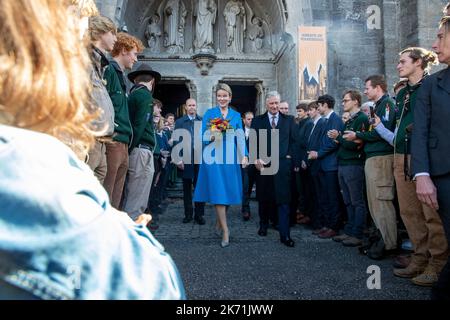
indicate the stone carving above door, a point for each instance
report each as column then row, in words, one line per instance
column 236, row 25
column 174, row 23
column 205, row 14
column 153, row 33
column 229, row 29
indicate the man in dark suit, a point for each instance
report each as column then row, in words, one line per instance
column 248, row 173
column 190, row 170
column 284, row 109
column 326, row 156
column 304, row 180
column 430, row 145
column 271, row 190
column 314, row 138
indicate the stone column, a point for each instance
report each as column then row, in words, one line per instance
column 205, row 93
column 112, row 9
column 391, row 14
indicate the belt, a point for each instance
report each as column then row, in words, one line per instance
column 104, row 139
column 144, row 146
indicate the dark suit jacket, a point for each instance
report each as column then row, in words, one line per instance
column 275, row 188
column 185, row 123
column 303, row 131
column 328, row 147
column 314, row 142
column 430, row 144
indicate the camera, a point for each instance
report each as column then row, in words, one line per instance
column 372, row 116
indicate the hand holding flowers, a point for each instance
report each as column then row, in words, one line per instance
column 218, row 127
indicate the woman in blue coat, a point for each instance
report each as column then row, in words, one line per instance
column 220, row 180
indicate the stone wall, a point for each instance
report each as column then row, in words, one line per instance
column 355, row 51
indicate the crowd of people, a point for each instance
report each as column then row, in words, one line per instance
column 344, row 173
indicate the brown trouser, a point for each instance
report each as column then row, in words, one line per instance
column 380, row 195
column 117, row 161
column 139, row 183
column 97, row 160
column 423, row 223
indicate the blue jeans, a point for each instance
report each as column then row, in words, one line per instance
column 327, row 189
column 352, row 181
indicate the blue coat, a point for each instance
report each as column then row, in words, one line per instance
column 328, row 147
column 314, row 139
column 221, row 183
column 303, row 131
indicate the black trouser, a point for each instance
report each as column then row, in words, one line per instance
column 330, row 199
column 317, row 217
column 169, row 171
column 187, row 197
column 267, row 209
column 293, row 206
column 248, row 181
column 155, row 197
column 306, row 192
column 441, row 291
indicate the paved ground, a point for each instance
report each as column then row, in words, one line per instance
column 262, row 268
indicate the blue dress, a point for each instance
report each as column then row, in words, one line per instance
column 220, row 179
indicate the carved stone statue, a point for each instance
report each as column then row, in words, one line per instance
column 153, row 33
column 236, row 25
column 174, row 22
column 206, row 13
column 256, row 34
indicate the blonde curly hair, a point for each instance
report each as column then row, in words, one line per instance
column 85, row 8
column 44, row 80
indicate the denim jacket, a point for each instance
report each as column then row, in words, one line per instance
column 59, row 236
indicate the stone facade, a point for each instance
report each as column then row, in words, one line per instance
column 364, row 38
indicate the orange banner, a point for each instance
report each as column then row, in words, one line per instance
column 312, row 44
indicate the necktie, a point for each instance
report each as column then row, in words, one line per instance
column 274, row 124
column 191, row 126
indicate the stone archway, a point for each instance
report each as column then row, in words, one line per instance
column 248, row 94
column 173, row 93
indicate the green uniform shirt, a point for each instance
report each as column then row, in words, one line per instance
column 117, row 91
column 374, row 145
column 406, row 100
column 140, row 104
column 351, row 153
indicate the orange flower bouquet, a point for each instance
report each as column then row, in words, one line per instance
column 219, row 125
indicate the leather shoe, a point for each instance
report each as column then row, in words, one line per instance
column 305, row 220
column 289, row 243
column 327, row 234
column 316, row 232
column 299, row 217
column 402, row 261
column 246, row 216
column 352, row 242
column 200, row 221
column 187, row 219
column 262, row 232
column 411, row 271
